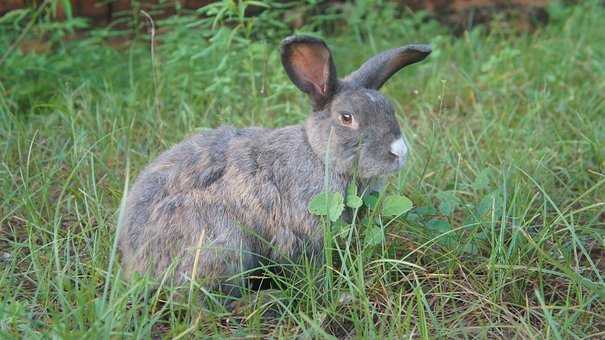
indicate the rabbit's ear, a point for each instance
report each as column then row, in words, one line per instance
column 378, row 69
column 308, row 63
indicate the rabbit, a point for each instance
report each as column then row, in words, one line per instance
column 220, row 202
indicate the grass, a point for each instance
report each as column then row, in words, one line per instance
column 507, row 177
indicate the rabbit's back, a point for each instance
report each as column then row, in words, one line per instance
column 238, row 189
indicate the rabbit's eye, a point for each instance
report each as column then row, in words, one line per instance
column 346, row 118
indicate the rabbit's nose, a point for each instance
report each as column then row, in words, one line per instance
column 399, row 148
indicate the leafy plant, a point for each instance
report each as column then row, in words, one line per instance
column 448, row 202
column 353, row 200
column 396, row 205
column 328, row 204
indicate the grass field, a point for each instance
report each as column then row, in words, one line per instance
column 507, row 177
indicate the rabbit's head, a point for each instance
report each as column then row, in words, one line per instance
column 350, row 113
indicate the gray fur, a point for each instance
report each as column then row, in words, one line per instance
column 242, row 194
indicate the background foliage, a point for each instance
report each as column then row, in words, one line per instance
column 507, row 128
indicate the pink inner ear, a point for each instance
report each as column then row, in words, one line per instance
column 312, row 64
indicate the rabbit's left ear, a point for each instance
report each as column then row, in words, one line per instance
column 308, row 63
column 378, row 69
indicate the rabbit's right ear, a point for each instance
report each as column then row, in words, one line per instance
column 308, row 63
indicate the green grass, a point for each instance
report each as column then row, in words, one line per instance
column 507, row 176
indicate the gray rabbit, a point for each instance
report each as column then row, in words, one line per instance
column 221, row 201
